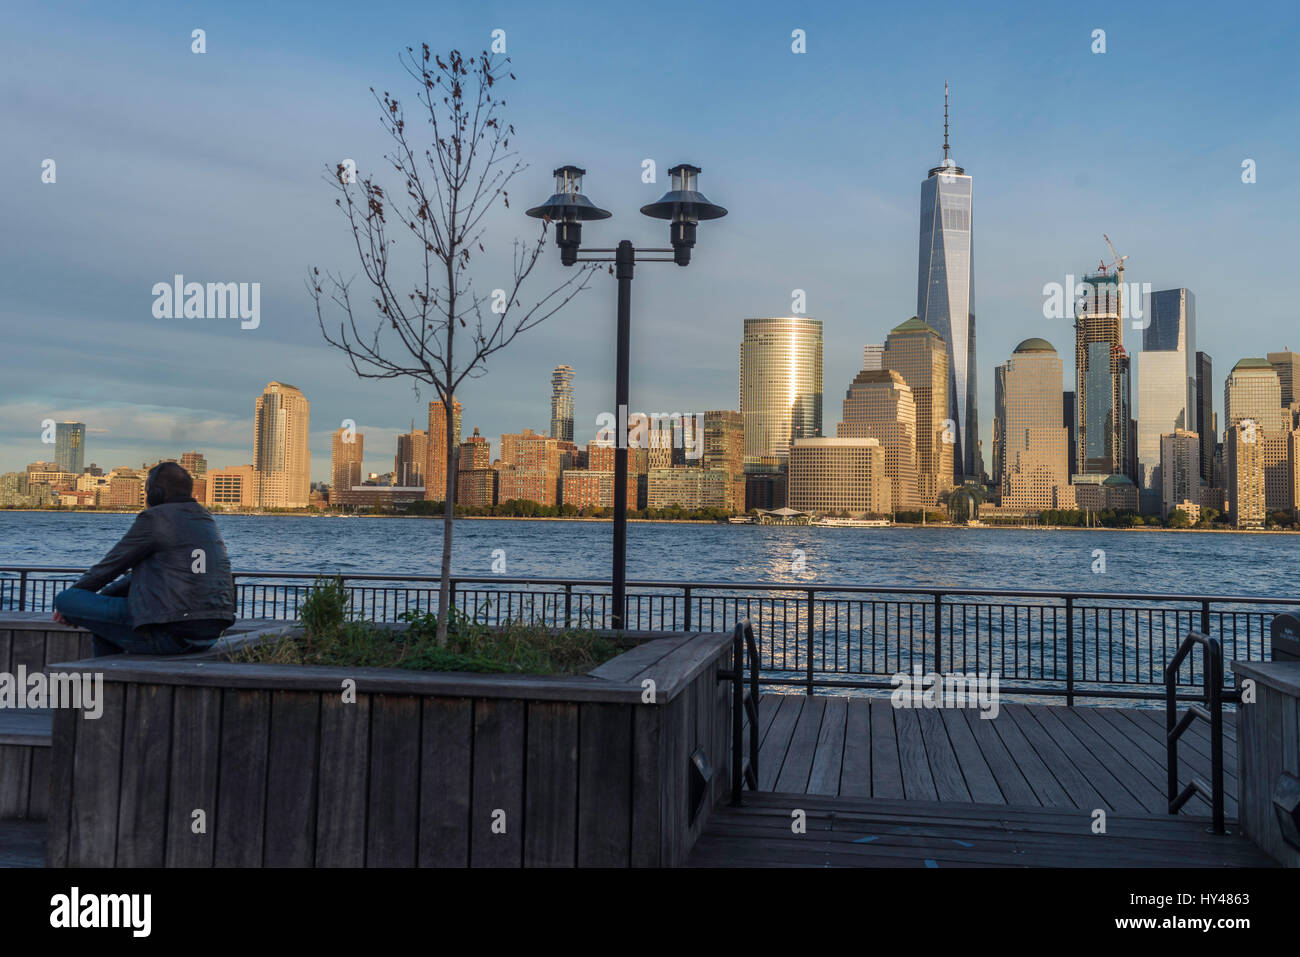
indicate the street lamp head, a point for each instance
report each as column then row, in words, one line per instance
column 567, row 209
column 683, row 206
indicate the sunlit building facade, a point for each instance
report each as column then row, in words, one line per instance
column 1031, row 441
column 1166, row 377
column 281, row 457
column 920, row 356
column 839, row 475
column 879, row 405
column 780, row 384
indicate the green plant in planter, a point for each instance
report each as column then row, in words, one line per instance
column 325, row 609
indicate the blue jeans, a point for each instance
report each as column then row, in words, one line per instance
column 109, row 621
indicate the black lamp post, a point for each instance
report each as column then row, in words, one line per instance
column 683, row 206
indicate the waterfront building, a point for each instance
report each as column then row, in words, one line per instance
column 346, row 450
column 687, row 487
column 839, row 475
column 1032, row 444
column 724, row 448
column 588, row 488
column 70, row 446
column 1180, row 469
column 1102, row 387
column 1068, row 411
column 1098, row 492
column 436, row 449
column 1245, row 463
column 920, row 356
column 880, row 405
column 945, row 297
column 409, row 462
column 281, row 457
column 562, row 403
column 780, row 384
column 766, row 483
column 234, row 487
column 530, row 468
column 1166, row 377
column 1253, row 413
column 1206, row 424
column 196, row 465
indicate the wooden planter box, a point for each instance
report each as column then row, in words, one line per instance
column 421, row 770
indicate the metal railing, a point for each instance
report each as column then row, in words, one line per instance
column 1041, row 644
column 744, row 710
column 1211, row 711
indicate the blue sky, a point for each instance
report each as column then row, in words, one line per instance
column 210, row 166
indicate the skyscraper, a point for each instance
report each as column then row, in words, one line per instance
column 1287, row 365
column 195, row 464
column 281, row 458
column 562, row 403
column 1166, row 377
column 918, row 354
column 879, row 405
column 1205, row 414
column 1102, row 389
column 1257, row 449
column 346, row 449
column 873, row 357
column 70, row 446
column 780, row 384
column 412, row 454
column 1180, row 470
column 1033, row 454
column 435, row 461
column 724, row 448
column 839, row 475
column 945, row 297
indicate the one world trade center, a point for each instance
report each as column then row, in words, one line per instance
column 945, row 297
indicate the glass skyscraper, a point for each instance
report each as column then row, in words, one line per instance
column 562, row 403
column 945, row 295
column 70, row 446
column 780, row 384
column 1166, row 377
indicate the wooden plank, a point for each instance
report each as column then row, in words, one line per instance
column 6, row 649
column 193, row 767
column 777, row 741
column 241, row 778
column 446, row 771
column 855, row 771
column 627, row 665
column 1140, row 754
column 944, row 769
column 294, row 751
column 65, row 646
column 551, row 803
column 496, row 838
column 392, row 818
column 918, row 782
column 798, row 760
column 15, row 780
column 1112, row 776
column 96, row 780
column 677, row 671
column 342, row 789
column 978, row 776
column 146, row 745
column 824, row 778
column 28, row 652
column 1007, row 776
column 1046, row 789
column 604, row 805
column 38, row 801
column 1079, row 790
column 886, row 765
column 647, row 761
column 59, row 801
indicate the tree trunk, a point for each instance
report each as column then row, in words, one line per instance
column 448, row 519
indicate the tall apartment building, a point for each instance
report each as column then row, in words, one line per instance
column 195, row 464
column 562, row 403
column 919, row 355
column 780, row 384
column 839, row 475
column 281, row 457
column 476, row 483
column 409, row 462
column 724, row 448
column 1180, row 470
column 879, row 405
column 1033, row 444
column 590, row 488
column 1245, row 464
column 346, row 451
column 1166, row 377
column 1205, row 422
column 435, row 460
column 530, row 468
column 70, row 446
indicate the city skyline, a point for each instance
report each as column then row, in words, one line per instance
column 1042, row 210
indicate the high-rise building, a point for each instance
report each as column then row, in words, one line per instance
column 195, row 464
column 839, row 475
column 70, row 446
column 1166, row 377
column 412, row 454
column 945, row 297
column 1034, row 453
column 873, row 358
column 476, row 481
column 435, row 461
column 1287, row 365
column 281, row 457
column 346, row 450
column 1245, row 465
column 1180, row 470
column 724, row 448
column 687, row 487
column 531, row 467
column 879, row 405
column 1205, row 414
column 562, row 403
column 235, row 487
column 1071, row 422
column 1102, row 387
column 1253, row 391
column 1256, row 426
column 780, row 384
column 919, row 355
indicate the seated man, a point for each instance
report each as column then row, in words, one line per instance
column 179, row 593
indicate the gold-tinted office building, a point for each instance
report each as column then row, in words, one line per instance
column 879, row 405
column 435, row 459
column 780, row 384
column 920, row 356
column 281, row 457
column 1031, row 442
column 839, row 475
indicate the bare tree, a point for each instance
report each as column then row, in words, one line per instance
column 407, row 327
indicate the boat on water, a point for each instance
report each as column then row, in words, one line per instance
column 853, row 522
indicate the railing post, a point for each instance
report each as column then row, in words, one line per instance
column 22, row 591
column 1069, row 651
column 938, row 632
column 1171, row 742
column 568, row 604
column 686, row 626
column 1213, row 700
column 1205, row 618
column 810, row 642
column 451, row 597
column 737, row 713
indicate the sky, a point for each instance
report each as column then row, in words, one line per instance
column 211, row 166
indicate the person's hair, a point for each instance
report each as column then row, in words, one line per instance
column 172, row 481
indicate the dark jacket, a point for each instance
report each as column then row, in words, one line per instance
column 164, row 585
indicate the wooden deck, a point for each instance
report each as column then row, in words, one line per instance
column 1045, row 756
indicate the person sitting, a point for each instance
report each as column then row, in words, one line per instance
column 178, row 594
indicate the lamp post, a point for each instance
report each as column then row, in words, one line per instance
column 683, row 206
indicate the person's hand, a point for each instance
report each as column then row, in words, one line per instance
column 59, row 619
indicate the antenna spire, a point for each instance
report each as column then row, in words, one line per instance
column 945, row 121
